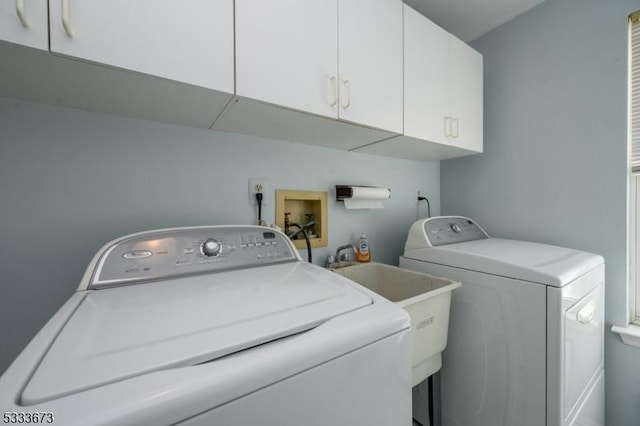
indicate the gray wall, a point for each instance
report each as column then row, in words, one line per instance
column 554, row 167
column 70, row 181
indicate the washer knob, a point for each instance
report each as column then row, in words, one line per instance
column 211, row 247
column 456, row 228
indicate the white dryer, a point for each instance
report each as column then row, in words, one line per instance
column 526, row 327
column 214, row 325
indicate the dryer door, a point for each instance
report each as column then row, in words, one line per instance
column 576, row 347
column 583, row 346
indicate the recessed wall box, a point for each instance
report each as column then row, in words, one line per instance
column 302, row 207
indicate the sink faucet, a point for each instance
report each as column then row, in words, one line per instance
column 344, row 256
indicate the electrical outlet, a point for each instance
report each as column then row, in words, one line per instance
column 256, row 185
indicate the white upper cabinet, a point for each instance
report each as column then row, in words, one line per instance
column 443, row 85
column 466, row 96
column 370, row 62
column 186, row 41
column 25, row 22
column 426, row 78
column 372, row 76
column 442, row 96
column 288, row 52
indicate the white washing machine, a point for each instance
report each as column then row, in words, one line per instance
column 526, row 327
column 214, row 325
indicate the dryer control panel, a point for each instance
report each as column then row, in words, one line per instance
column 444, row 230
column 177, row 252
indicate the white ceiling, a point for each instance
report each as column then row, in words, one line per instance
column 469, row 19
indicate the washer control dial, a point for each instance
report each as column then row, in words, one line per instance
column 211, row 247
column 456, row 228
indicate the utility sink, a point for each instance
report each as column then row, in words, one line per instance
column 426, row 298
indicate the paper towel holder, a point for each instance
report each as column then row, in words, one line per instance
column 369, row 194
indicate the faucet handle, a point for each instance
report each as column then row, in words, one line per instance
column 331, row 259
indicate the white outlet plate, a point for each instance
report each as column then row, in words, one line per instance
column 254, row 184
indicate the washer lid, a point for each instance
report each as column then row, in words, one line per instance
column 527, row 261
column 118, row 333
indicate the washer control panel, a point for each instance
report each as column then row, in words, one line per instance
column 188, row 251
column 452, row 229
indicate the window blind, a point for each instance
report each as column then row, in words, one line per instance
column 634, row 90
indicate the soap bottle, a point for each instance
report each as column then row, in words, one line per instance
column 362, row 253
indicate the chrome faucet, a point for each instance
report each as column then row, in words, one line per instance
column 344, row 256
column 340, row 259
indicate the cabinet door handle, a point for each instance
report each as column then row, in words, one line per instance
column 447, row 126
column 333, row 91
column 20, row 11
column 456, row 126
column 66, row 22
column 347, row 86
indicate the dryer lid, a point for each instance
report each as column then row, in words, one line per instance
column 118, row 333
column 527, row 261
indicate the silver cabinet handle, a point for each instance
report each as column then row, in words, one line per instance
column 66, row 22
column 20, row 11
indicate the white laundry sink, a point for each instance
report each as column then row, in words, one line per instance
column 426, row 298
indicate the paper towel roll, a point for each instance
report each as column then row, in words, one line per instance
column 367, row 198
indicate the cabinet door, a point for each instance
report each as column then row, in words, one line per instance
column 466, row 96
column 370, row 62
column 25, row 22
column 287, row 53
column 426, row 78
column 190, row 41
